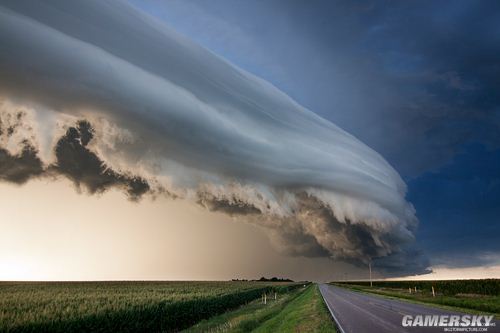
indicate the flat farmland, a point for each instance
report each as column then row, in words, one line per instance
column 121, row 306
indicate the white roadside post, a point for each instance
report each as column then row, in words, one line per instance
column 433, row 293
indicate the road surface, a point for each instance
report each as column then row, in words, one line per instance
column 357, row 312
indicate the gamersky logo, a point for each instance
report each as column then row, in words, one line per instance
column 447, row 321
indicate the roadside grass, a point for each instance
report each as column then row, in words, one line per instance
column 473, row 304
column 247, row 317
column 306, row 313
column 297, row 311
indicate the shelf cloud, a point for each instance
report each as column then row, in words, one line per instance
column 106, row 96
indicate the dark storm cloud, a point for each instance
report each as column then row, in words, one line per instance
column 461, row 220
column 451, row 79
column 408, row 262
column 83, row 167
column 418, row 81
column 162, row 113
column 21, row 167
column 230, row 206
column 73, row 160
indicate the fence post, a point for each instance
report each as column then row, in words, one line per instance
column 433, row 293
column 265, row 298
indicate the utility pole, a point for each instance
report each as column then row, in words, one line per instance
column 370, row 268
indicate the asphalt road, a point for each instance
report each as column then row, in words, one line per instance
column 357, row 312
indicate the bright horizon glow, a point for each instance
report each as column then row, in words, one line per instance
column 67, row 236
column 124, row 249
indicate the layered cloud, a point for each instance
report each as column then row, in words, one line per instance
column 104, row 95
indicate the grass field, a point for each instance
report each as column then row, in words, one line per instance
column 120, row 306
column 301, row 310
column 478, row 295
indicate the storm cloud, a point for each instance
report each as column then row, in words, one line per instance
column 73, row 160
column 110, row 97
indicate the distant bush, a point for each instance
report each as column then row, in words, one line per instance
column 274, row 279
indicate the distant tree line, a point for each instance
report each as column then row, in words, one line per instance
column 264, row 279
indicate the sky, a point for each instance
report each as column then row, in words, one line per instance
column 415, row 82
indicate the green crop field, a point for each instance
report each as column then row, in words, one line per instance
column 121, row 306
column 480, row 295
column 444, row 287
